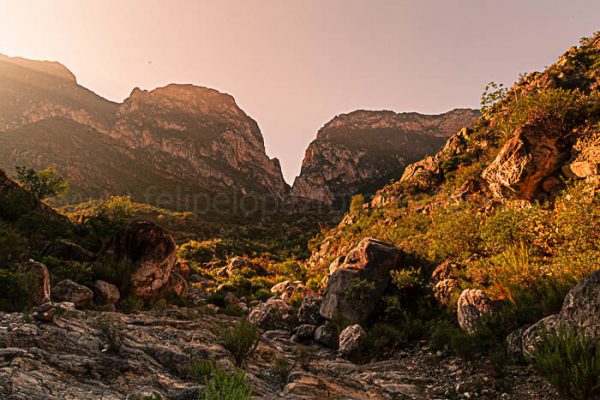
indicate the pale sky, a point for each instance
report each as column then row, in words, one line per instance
column 294, row 64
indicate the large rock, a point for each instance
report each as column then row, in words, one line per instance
column 40, row 292
column 354, row 289
column 69, row 251
column 106, row 293
column 580, row 311
column 530, row 156
column 581, row 308
column 273, row 314
column 150, row 253
column 72, row 292
column 473, row 307
column 350, row 340
column 327, row 335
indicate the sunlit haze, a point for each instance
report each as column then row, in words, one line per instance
column 292, row 65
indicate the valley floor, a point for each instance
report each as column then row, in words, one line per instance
column 69, row 359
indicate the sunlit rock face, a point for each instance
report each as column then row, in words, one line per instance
column 361, row 151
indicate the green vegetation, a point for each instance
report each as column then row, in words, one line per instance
column 241, row 339
column 227, row 385
column 16, row 289
column 571, row 363
column 42, row 184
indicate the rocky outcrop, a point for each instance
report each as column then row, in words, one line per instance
column 474, row 306
column 355, row 288
column 361, row 151
column 149, row 254
column 72, row 292
column 175, row 146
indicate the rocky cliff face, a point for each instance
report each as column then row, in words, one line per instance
column 363, row 150
column 178, row 146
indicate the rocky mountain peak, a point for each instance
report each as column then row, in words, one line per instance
column 51, row 68
column 362, row 150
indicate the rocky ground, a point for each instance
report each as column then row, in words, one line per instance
column 71, row 358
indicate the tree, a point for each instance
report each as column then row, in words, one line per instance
column 42, row 184
column 492, row 93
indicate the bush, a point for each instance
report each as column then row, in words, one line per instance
column 241, row 340
column 15, row 290
column 200, row 370
column 571, row 363
column 281, row 368
column 61, row 270
column 227, row 385
column 12, row 246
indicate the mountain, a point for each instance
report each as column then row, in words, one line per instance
column 361, row 151
column 179, row 146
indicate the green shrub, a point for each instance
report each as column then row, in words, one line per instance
column 61, row 270
column 16, row 288
column 571, row 363
column 241, row 340
column 12, row 246
column 202, row 252
column 281, row 368
column 199, row 370
column 227, row 385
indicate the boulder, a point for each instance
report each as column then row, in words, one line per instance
column 72, row 292
column 308, row 313
column 530, row 156
column 106, row 293
column 68, row 251
column 149, row 251
column 523, row 341
column 581, row 307
column 580, row 311
column 304, row 333
column 40, row 292
column 240, row 263
column 327, row 336
column 366, row 269
column 273, row 314
column 472, row 308
column 350, row 341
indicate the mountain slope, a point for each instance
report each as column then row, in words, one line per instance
column 363, row 150
column 527, row 172
column 180, row 146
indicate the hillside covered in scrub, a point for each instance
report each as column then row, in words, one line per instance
column 476, row 275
